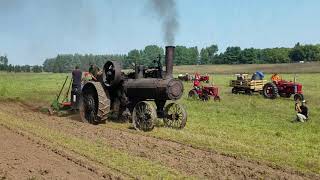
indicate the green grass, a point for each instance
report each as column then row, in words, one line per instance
column 246, row 126
column 42, row 87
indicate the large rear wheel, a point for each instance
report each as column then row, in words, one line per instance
column 270, row 91
column 175, row 116
column 144, row 115
column 94, row 103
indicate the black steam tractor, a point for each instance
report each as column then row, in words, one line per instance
column 132, row 93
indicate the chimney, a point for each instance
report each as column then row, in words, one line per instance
column 169, row 61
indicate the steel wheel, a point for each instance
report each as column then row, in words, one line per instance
column 94, row 103
column 175, row 116
column 88, row 109
column 143, row 116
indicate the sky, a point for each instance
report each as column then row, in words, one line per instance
column 33, row 30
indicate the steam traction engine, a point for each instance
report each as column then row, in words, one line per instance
column 117, row 92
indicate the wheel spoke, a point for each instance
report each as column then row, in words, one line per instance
column 144, row 115
column 175, row 116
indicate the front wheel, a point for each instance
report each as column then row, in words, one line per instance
column 192, row 94
column 175, row 116
column 144, row 115
column 217, row 98
column 298, row 97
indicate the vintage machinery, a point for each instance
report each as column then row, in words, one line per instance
column 118, row 92
column 204, row 78
column 60, row 105
column 185, row 77
column 283, row 88
column 201, row 78
column 246, row 85
column 205, row 93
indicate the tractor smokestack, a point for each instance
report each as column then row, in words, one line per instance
column 169, row 61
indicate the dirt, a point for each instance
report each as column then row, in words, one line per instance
column 184, row 158
column 22, row 158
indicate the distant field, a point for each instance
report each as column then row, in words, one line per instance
column 313, row 67
column 246, row 126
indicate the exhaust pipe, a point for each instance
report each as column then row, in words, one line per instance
column 169, row 61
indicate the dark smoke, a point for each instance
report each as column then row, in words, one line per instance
column 167, row 13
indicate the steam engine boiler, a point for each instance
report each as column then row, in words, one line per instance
column 117, row 92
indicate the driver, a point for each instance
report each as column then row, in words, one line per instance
column 94, row 71
column 276, row 77
column 196, row 83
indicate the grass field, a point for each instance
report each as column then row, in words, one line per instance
column 247, row 126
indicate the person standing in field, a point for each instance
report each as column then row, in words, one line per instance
column 76, row 88
column 302, row 111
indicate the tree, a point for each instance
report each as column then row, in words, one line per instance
column 150, row 54
column 194, row 55
column 204, row 56
column 305, row 53
column 232, row 55
column 208, row 54
column 134, row 56
column 37, row 69
column 181, row 55
column 296, row 54
column 249, row 56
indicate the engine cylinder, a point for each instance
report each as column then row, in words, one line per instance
column 151, row 88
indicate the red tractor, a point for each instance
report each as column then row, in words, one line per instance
column 204, row 78
column 205, row 93
column 283, row 88
column 201, row 78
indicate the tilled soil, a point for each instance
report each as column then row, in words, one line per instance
column 21, row 158
column 184, row 158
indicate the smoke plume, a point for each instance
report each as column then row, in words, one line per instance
column 166, row 11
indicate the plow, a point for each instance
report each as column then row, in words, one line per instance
column 62, row 105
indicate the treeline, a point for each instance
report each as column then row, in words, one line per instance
column 236, row 55
column 4, row 66
column 189, row 56
column 183, row 56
